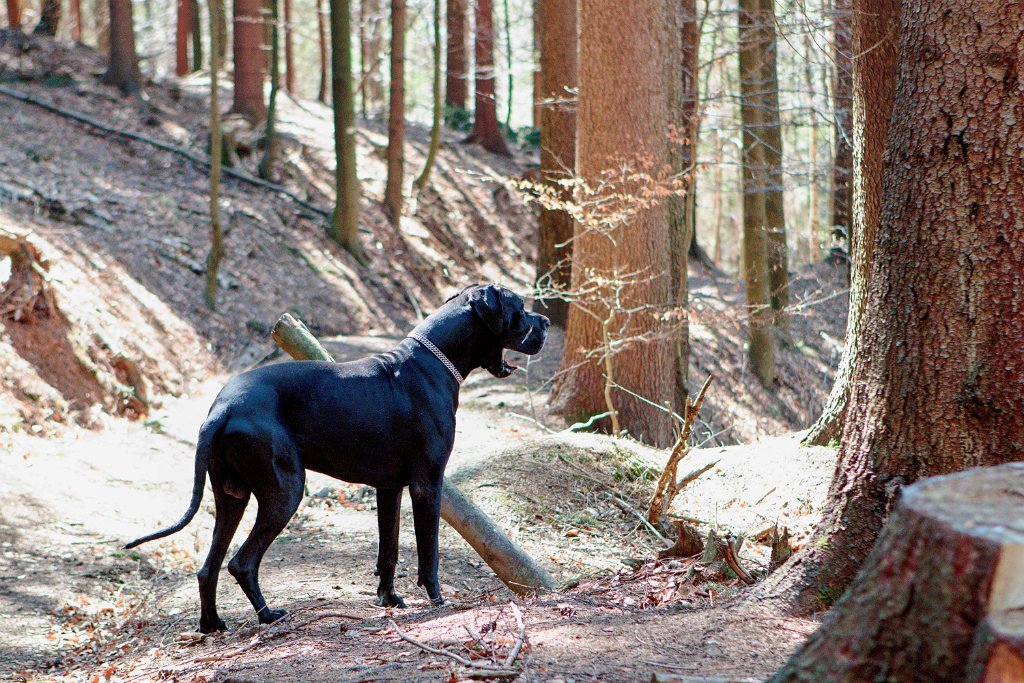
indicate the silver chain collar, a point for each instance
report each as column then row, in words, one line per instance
column 440, row 356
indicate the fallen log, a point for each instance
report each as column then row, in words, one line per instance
column 940, row 597
column 510, row 563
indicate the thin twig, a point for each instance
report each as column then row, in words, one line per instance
column 626, row 507
column 729, row 553
column 490, row 670
column 519, row 640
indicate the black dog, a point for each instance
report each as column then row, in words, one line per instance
column 387, row 421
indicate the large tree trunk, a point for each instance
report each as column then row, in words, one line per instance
column 49, row 18
column 774, row 204
column 935, row 384
column 937, row 595
column 842, row 106
column 14, row 14
column 345, row 221
column 486, row 130
column 622, row 121
column 558, row 73
column 876, row 33
column 250, row 63
column 182, row 30
column 756, row 242
column 396, row 116
column 123, row 70
column 457, row 78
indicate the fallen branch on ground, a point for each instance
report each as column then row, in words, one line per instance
column 487, row 670
column 729, row 552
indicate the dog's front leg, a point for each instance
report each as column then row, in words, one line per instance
column 426, row 515
column 389, row 508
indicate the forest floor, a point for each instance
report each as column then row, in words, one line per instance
column 101, row 403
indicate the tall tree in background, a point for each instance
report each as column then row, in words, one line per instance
column 49, row 18
column 396, row 116
column 321, row 36
column 875, row 31
column 457, row 79
column 486, row 131
column 842, row 105
column 622, row 119
column 371, row 42
column 266, row 167
column 250, row 62
column 557, row 98
column 123, row 69
column 14, row 15
column 76, row 20
column 935, row 384
column 756, row 268
column 774, row 203
column 197, row 36
column 101, row 21
column 438, row 113
column 182, row 30
column 289, row 57
column 216, row 254
column 538, row 88
column 345, row 221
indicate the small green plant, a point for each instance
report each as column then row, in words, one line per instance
column 458, row 118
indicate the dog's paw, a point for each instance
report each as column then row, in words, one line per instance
column 269, row 616
column 390, row 600
column 438, row 601
column 212, row 627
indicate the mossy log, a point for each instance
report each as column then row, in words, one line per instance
column 940, row 596
column 510, row 563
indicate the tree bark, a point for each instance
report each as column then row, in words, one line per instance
column 216, row 253
column 948, row 256
column 558, row 74
column 510, row 563
column 102, row 23
column 486, row 131
column 197, row 36
column 345, row 221
column 14, row 15
column 457, row 78
column 842, row 106
column 371, row 21
column 622, row 121
column 321, row 35
column 123, row 70
column 289, row 57
column 876, row 35
column 774, row 201
column 182, row 30
column 438, row 113
column 266, row 167
column 937, row 595
column 249, row 61
column 76, row 20
column 49, row 18
column 396, row 116
column 756, row 265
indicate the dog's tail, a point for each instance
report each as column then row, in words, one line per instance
column 204, row 448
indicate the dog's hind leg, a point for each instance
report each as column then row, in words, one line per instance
column 229, row 513
column 278, row 493
column 426, row 515
column 389, row 508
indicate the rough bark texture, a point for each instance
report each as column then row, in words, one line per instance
column 182, row 30
column 949, row 555
column 622, row 118
column 876, row 31
column 49, row 18
column 774, row 205
column 842, row 105
column 345, row 221
column 249, row 60
column 756, row 269
column 457, row 75
column 486, row 131
column 14, row 14
column 396, row 115
column 123, row 70
column 935, row 386
column 558, row 74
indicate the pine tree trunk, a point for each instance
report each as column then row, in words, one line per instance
column 76, row 20
column 102, row 23
column 14, row 15
column 123, row 70
column 876, row 32
column 948, row 256
column 396, row 116
column 486, row 131
column 321, row 36
column 457, row 78
column 538, row 84
column 289, row 57
column 438, row 112
column 942, row 585
column 842, row 105
column 266, row 167
column 756, row 266
column 558, row 70
column 182, row 29
column 216, row 253
column 622, row 119
column 774, row 203
column 197, row 36
column 345, row 221
column 49, row 18
column 249, row 60
column 813, row 213
column 371, row 32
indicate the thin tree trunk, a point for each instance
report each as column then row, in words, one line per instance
column 947, row 255
column 558, row 71
column 76, row 20
column 14, row 14
column 538, row 87
column 396, row 116
column 371, row 41
column 123, row 70
column 289, row 57
column 716, row 197
column 774, row 200
column 508, row 66
column 756, row 268
column 197, row 35
column 182, row 29
column 249, row 61
column 622, row 123
column 266, row 167
column 457, row 79
column 345, row 222
column 842, row 93
column 438, row 114
column 49, row 18
column 321, row 35
column 216, row 254
column 102, row 19
column 486, row 131
column 813, row 212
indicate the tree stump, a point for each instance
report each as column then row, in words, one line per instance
column 940, row 596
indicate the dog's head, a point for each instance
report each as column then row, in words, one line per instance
column 504, row 314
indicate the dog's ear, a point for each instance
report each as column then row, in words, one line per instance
column 461, row 292
column 486, row 303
